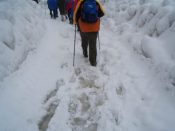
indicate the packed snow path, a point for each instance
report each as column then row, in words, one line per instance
column 125, row 92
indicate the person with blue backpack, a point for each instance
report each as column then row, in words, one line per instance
column 87, row 14
column 52, row 5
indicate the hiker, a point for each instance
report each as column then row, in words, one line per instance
column 52, row 5
column 61, row 6
column 87, row 14
column 69, row 9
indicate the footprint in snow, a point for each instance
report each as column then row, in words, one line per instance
column 120, row 90
column 44, row 122
column 83, row 109
column 64, row 65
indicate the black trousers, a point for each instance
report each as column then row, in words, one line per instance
column 53, row 13
column 70, row 16
column 90, row 39
column 61, row 6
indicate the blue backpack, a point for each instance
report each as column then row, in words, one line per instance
column 89, row 12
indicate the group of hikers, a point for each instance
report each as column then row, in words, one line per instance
column 85, row 14
column 65, row 7
column 54, row 5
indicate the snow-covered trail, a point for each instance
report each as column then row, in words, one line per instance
column 124, row 92
column 24, row 91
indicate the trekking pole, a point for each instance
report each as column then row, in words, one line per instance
column 98, row 40
column 74, row 46
column 45, row 6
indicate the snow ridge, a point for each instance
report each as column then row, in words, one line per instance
column 21, row 29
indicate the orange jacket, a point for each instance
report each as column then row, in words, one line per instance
column 87, row 27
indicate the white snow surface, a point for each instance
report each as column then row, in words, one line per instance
column 131, row 89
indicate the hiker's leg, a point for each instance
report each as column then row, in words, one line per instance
column 51, row 13
column 84, row 43
column 70, row 17
column 78, row 27
column 92, row 36
column 55, row 13
column 62, row 9
column 63, row 17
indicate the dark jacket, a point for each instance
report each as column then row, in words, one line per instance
column 52, row 4
column 61, row 6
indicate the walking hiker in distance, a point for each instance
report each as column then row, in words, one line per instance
column 69, row 9
column 62, row 9
column 52, row 5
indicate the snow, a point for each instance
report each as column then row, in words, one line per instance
column 21, row 28
column 131, row 89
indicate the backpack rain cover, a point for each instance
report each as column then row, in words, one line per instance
column 89, row 12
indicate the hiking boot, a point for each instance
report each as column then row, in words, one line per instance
column 85, row 54
column 63, row 18
column 51, row 16
column 93, row 64
column 71, row 21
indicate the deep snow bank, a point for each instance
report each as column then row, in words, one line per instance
column 20, row 30
column 147, row 26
